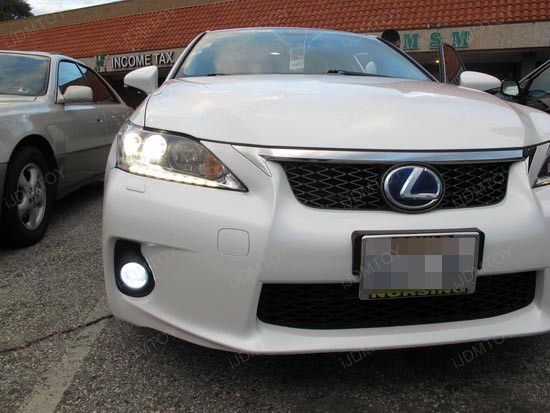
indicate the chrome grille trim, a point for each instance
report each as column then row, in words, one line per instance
column 260, row 155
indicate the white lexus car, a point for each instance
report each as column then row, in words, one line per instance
column 295, row 191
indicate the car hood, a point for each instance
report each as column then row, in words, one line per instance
column 334, row 111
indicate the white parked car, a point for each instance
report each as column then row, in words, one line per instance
column 58, row 119
column 294, row 191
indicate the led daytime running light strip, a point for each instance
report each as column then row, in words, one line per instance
column 158, row 173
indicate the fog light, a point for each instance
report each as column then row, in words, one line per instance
column 134, row 275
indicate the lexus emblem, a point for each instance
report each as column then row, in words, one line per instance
column 413, row 188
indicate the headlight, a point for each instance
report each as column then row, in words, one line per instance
column 172, row 158
column 544, row 174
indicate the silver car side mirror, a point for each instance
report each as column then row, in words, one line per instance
column 78, row 94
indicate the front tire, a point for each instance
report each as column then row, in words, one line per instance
column 29, row 193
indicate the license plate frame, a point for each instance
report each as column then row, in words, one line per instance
column 425, row 284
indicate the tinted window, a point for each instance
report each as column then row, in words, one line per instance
column 70, row 75
column 23, row 75
column 451, row 64
column 295, row 51
column 541, row 84
column 538, row 95
column 102, row 93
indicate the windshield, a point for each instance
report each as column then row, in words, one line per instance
column 23, row 74
column 295, row 51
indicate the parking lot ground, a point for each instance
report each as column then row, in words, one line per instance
column 61, row 350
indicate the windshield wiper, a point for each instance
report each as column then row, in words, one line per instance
column 216, row 74
column 351, row 73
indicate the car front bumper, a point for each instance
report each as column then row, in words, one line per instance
column 212, row 250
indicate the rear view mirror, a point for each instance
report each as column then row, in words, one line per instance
column 510, row 87
column 479, row 81
column 145, row 79
column 78, row 94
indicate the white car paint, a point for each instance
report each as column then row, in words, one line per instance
column 479, row 81
column 311, row 112
column 212, row 250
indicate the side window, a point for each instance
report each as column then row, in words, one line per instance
column 538, row 95
column 542, row 82
column 102, row 94
column 69, row 75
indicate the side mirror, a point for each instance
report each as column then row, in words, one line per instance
column 510, row 87
column 479, row 81
column 78, row 94
column 145, row 79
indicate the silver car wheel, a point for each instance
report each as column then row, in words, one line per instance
column 32, row 196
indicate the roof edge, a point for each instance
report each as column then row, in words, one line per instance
column 96, row 13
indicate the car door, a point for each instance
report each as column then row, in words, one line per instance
column 536, row 88
column 83, row 125
column 114, row 111
column 451, row 65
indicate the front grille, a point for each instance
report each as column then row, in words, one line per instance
column 359, row 186
column 337, row 306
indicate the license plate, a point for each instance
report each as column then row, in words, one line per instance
column 420, row 265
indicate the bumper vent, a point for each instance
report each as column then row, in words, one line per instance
column 359, row 186
column 337, row 306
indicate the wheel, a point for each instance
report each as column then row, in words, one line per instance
column 29, row 193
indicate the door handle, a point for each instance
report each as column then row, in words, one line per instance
column 100, row 120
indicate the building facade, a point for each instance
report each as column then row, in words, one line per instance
column 506, row 38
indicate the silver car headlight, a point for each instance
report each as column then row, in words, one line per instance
column 172, row 158
column 544, row 174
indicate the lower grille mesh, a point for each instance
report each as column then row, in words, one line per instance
column 337, row 306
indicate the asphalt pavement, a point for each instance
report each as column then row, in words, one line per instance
column 61, row 350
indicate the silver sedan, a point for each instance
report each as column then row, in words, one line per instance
column 58, row 119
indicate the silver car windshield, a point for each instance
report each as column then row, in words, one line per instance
column 296, row 51
column 23, row 75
